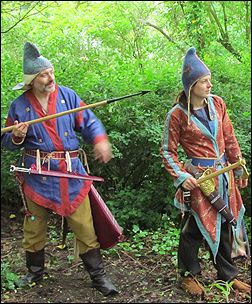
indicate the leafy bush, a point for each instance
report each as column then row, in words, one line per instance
column 7, row 277
column 106, row 53
column 163, row 240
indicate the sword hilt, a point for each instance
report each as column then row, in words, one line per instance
column 19, row 169
column 245, row 174
column 233, row 166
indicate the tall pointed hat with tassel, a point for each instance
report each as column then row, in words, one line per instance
column 193, row 69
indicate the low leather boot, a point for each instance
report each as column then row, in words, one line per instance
column 192, row 286
column 241, row 286
column 35, row 262
column 92, row 260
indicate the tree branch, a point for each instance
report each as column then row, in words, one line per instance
column 214, row 15
column 164, row 33
column 25, row 16
column 21, row 19
column 224, row 40
column 248, row 22
column 224, row 16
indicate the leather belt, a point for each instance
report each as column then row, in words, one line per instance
column 53, row 154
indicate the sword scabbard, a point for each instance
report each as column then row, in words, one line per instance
column 56, row 173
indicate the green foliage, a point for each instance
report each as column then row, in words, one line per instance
column 8, row 277
column 9, row 188
column 224, row 287
column 109, row 50
column 54, row 234
column 163, row 240
column 144, row 206
column 70, row 258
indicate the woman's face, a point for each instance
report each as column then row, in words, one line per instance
column 202, row 88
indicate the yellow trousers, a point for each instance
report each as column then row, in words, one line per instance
column 80, row 222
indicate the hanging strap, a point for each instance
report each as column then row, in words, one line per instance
column 68, row 162
column 83, row 158
column 38, row 161
column 20, row 179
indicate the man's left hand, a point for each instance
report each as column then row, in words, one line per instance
column 102, row 151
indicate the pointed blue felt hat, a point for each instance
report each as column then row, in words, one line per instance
column 33, row 64
column 193, row 69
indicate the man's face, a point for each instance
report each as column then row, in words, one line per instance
column 44, row 82
column 203, row 87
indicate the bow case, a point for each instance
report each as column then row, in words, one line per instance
column 108, row 231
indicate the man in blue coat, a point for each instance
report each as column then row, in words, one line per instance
column 54, row 145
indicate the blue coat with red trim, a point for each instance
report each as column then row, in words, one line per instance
column 62, row 195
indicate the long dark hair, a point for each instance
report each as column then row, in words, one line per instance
column 182, row 100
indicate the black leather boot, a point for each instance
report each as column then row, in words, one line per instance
column 35, row 263
column 92, row 260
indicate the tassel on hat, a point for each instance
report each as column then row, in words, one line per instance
column 33, row 64
column 193, row 69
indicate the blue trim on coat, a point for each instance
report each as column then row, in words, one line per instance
column 182, row 175
column 213, row 245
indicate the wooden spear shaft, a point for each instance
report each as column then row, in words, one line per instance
column 100, row 103
column 241, row 162
column 48, row 117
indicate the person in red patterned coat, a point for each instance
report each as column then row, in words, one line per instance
column 54, row 145
column 200, row 124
